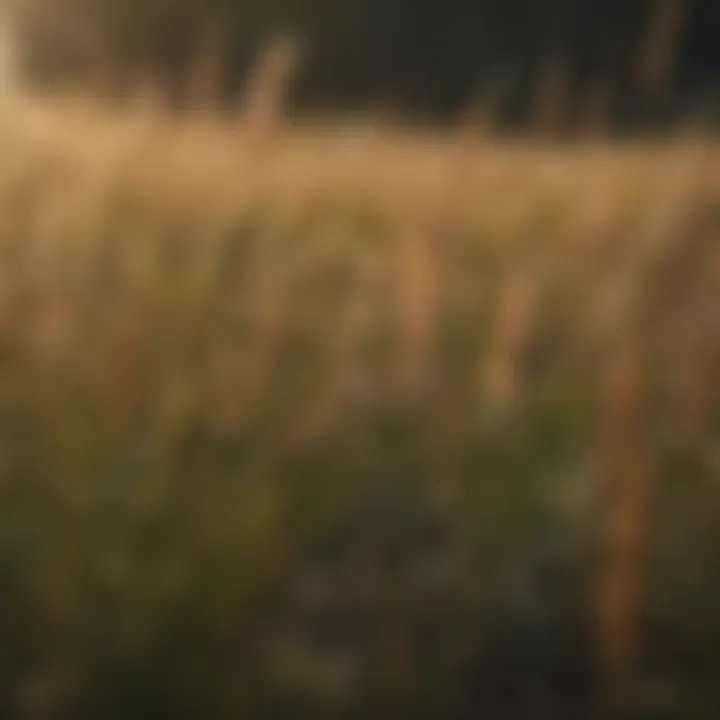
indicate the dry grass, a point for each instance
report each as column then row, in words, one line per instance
column 196, row 302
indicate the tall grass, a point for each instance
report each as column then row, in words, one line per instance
column 331, row 420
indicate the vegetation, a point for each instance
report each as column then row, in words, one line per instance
column 350, row 421
column 410, row 55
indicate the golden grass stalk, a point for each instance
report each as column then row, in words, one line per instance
column 628, row 470
column 421, row 248
column 263, row 111
column 629, row 475
column 628, row 481
column 417, row 296
column 122, row 361
column 502, row 372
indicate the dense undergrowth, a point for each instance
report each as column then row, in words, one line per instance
column 296, row 431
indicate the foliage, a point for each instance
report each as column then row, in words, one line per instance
column 219, row 496
column 411, row 55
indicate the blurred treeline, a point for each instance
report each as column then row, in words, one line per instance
column 401, row 55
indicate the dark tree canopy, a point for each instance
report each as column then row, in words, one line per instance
column 412, row 54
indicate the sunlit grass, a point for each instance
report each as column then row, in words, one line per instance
column 287, row 424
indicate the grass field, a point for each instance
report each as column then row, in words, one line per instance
column 349, row 420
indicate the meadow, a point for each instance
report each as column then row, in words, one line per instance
column 347, row 419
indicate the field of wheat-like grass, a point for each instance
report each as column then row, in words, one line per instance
column 346, row 420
